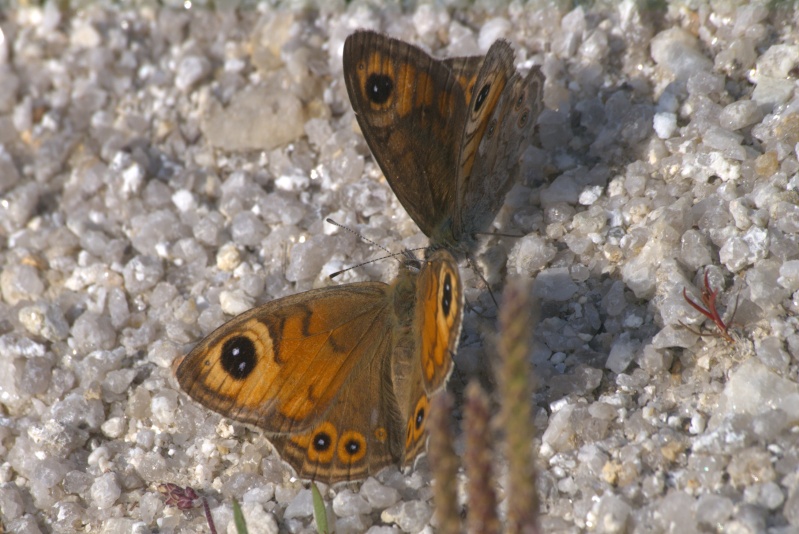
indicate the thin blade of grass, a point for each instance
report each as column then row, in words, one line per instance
column 319, row 510
column 238, row 518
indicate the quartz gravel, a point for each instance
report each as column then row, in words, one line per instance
column 162, row 167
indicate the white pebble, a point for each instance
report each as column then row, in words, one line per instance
column 105, row 490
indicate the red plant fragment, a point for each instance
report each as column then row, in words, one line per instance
column 186, row 499
column 710, row 311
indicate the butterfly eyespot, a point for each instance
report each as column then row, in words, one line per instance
column 522, row 122
column 352, row 446
column 519, row 101
column 379, row 88
column 381, row 435
column 420, row 415
column 491, row 128
column 322, row 441
column 481, row 97
column 238, row 357
column 446, row 297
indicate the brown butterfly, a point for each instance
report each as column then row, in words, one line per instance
column 340, row 378
column 448, row 134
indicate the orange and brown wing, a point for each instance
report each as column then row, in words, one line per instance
column 280, row 366
column 411, row 109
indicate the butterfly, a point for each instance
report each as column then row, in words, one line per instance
column 447, row 134
column 339, row 378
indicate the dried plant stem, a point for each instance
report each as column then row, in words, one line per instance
column 444, row 464
column 482, row 514
column 516, row 389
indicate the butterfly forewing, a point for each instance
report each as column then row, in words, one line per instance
column 411, row 110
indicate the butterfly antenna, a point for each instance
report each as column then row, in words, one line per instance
column 359, row 235
column 499, row 234
column 476, row 269
column 407, row 253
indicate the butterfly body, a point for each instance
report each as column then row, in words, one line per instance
column 340, row 377
column 447, row 134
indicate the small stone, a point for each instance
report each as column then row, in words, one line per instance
column 753, row 389
column 352, row 524
column 235, row 302
column 705, row 83
column 118, row 381
column 142, row 273
column 778, row 61
column 410, row 516
column 563, row 189
column 771, row 353
column 555, row 284
column 622, row 353
column 750, row 466
column 228, row 258
column 11, row 504
column 184, row 200
column 105, row 490
column 739, row 115
column 674, row 336
column 20, row 282
column 78, row 411
column 257, row 519
column 46, row 321
column 491, row 30
column 613, row 515
column 713, row 510
column 347, row 503
column 735, row 254
column 378, row 495
column 769, row 495
column 256, row 119
column 785, row 216
column 724, row 140
column 772, row 91
column 261, row 494
column 93, row 331
column 114, row 427
column 590, row 195
column 694, row 249
column 306, row 259
column 247, row 229
column 300, row 506
column 789, row 275
column 665, row 124
column 560, row 432
column 164, row 406
column 191, row 71
column 84, row 35
column 530, row 254
column 677, row 50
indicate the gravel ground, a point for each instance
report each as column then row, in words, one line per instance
column 162, row 168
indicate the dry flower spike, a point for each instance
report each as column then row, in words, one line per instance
column 710, row 311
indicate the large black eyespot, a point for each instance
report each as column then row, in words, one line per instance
column 481, row 97
column 419, row 418
column 446, row 298
column 379, row 88
column 238, row 357
column 321, row 442
column 352, row 447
